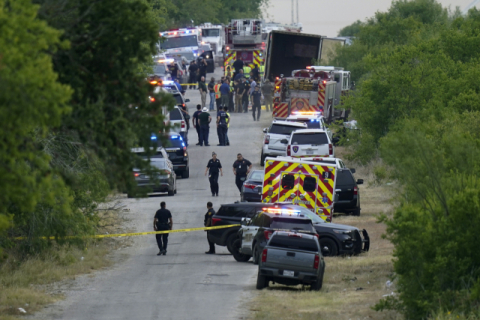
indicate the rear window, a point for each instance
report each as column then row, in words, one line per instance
column 291, row 224
column 158, row 155
column 173, row 142
column 344, row 178
column 159, row 164
column 257, row 176
column 316, row 138
column 175, row 115
column 178, row 98
column 294, row 243
column 236, row 211
column 282, row 129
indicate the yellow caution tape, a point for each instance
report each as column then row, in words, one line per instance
column 140, row 233
column 189, row 84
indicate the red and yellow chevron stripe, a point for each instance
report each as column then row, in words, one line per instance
column 230, row 57
column 280, row 110
column 321, row 95
column 319, row 200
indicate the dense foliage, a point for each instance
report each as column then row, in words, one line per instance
column 418, row 105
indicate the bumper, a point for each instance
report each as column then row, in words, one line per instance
column 298, row 277
column 346, row 205
column 180, row 166
column 362, row 242
column 273, row 152
column 252, row 196
column 162, row 187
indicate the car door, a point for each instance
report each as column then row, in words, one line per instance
column 250, row 231
column 306, row 195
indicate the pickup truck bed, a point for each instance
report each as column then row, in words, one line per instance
column 291, row 259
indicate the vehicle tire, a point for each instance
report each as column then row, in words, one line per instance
column 317, row 285
column 330, row 246
column 186, row 174
column 255, row 254
column 237, row 255
column 171, row 193
column 356, row 212
column 262, row 282
column 262, row 159
column 230, row 239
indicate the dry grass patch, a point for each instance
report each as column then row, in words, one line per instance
column 352, row 285
column 27, row 283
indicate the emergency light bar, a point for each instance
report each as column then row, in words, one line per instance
column 314, row 113
column 281, row 211
column 166, row 60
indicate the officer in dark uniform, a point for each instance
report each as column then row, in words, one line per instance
column 208, row 223
column 162, row 221
column 241, row 168
column 214, row 166
column 222, row 120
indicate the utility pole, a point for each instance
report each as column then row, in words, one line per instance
column 292, row 11
column 298, row 21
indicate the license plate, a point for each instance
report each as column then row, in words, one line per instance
column 309, row 151
column 288, row 273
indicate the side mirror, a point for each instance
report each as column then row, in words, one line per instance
column 329, row 219
column 335, row 139
column 360, row 181
column 265, row 130
column 187, row 100
column 284, row 141
column 352, row 170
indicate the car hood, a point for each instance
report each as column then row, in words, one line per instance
column 335, row 226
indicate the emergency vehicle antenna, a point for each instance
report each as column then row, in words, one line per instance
column 298, row 21
column 293, row 21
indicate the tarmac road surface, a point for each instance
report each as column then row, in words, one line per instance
column 186, row 283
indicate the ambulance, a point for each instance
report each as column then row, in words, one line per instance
column 307, row 182
column 305, row 92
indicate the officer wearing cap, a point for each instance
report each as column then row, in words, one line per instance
column 208, row 223
column 241, row 168
column 214, row 166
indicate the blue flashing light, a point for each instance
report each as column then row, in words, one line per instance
column 153, row 138
column 183, row 144
column 187, row 31
column 311, row 120
column 175, row 137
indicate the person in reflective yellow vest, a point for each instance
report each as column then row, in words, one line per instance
column 246, row 71
column 216, row 88
column 228, row 71
column 262, row 71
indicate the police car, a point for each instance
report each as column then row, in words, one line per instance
column 177, row 153
column 313, row 120
column 310, row 143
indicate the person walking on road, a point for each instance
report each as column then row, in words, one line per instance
column 227, row 142
column 256, row 103
column 267, row 90
column 208, row 223
column 192, row 71
column 222, row 121
column 205, row 120
column 241, row 168
column 211, row 92
column 224, row 90
column 246, row 94
column 162, row 221
column 202, row 87
column 196, row 123
column 214, row 167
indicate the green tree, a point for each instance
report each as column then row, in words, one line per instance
column 31, row 102
column 351, row 30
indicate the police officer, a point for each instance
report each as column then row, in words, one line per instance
column 241, row 168
column 214, row 166
column 208, row 223
column 162, row 221
column 222, row 120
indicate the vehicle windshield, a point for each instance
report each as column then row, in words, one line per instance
column 292, row 242
column 210, row 32
column 157, row 155
column 344, row 178
column 314, row 138
column 159, row 69
column 291, row 224
column 309, row 214
column 257, row 176
column 179, row 42
column 282, row 129
column 310, row 124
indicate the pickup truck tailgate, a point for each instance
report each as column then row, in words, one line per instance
column 290, row 259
